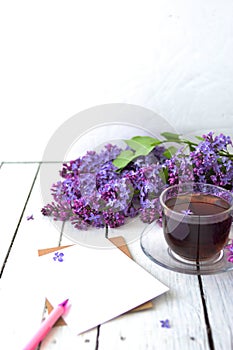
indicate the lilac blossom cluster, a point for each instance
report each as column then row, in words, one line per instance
column 93, row 192
column 209, row 162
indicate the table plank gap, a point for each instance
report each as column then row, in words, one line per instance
column 217, row 291
column 206, row 316
column 181, row 305
column 19, row 222
column 20, row 270
column 16, row 183
column 23, row 162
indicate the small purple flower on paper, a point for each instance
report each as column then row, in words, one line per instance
column 58, row 256
column 165, row 323
column 30, row 217
column 187, row 212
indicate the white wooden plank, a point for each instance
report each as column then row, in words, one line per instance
column 61, row 338
column 217, row 291
column 93, row 237
column 130, row 231
column 19, row 286
column 182, row 305
column 18, row 283
column 218, row 296
column 15, row 183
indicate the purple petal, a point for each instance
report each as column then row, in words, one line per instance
column 165, row 323
column 187, row 212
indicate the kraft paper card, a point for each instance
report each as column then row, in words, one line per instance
column 120, row 243
column 101, row 284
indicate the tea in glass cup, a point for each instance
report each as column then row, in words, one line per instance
column 197, row 219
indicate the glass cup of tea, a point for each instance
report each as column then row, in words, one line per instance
column 196, row 219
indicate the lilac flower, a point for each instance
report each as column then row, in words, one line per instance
column 187, row 212
column 84, row 215
column 165, row 323
column 117, row 194
column 60, row 211
column 180, row 168
column 147, row 182
column 229, row 247
column 30, row 217
column 58, row 256
column 210, row 161
column 106, row 173
column 113, row 219
column 151, row 211
column 92, row 192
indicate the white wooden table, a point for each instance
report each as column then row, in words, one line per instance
column 199, row 308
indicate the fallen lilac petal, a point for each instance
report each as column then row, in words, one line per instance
column 187, row 212
column 165, row 323
column 58, row 256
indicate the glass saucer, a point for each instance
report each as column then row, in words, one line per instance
column 155, row 247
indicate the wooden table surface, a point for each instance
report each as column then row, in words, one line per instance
column 199, row 308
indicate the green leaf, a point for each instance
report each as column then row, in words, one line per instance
column 200, row 138
column 163, row 174
column 170, row 151
column 142, row 145
column 124, row 158
column 171, row 137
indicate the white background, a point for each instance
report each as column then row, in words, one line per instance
column 58, row 58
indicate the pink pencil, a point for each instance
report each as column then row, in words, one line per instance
column 47, row 325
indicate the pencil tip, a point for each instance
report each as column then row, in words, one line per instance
column 64, row 302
